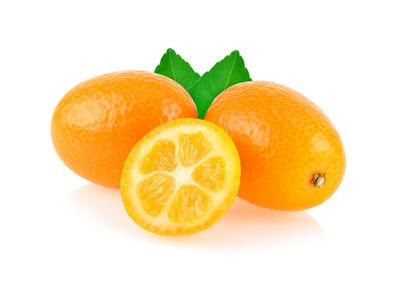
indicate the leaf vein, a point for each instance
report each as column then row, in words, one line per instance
column 230, row 73
column 172, row 69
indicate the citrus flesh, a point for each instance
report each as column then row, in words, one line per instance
column 181, row 177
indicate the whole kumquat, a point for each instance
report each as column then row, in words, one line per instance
column 97, row 123
column 292, row 157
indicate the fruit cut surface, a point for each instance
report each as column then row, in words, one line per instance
column 181, row 177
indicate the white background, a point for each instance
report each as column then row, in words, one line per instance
column 343, row 55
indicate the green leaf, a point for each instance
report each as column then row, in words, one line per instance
column 173, row 66
column 227, row 72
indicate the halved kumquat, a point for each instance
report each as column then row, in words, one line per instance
column 181, row 178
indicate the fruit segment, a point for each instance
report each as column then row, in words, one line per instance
column 155, row 191
column 210, row 174
column 175, row 182
column 161, row 157
column 189, row 203
column 192, row 148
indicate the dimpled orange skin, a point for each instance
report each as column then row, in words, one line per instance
column 284, row 142
column 97, row 123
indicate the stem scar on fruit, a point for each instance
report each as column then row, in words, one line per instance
column 319, row 179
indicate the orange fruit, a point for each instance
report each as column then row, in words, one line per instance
column 292, row 157
column 97, row 123
column 181, row 177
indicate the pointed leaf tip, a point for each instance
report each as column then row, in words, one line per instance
column 173, row 66
column 227, row 72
